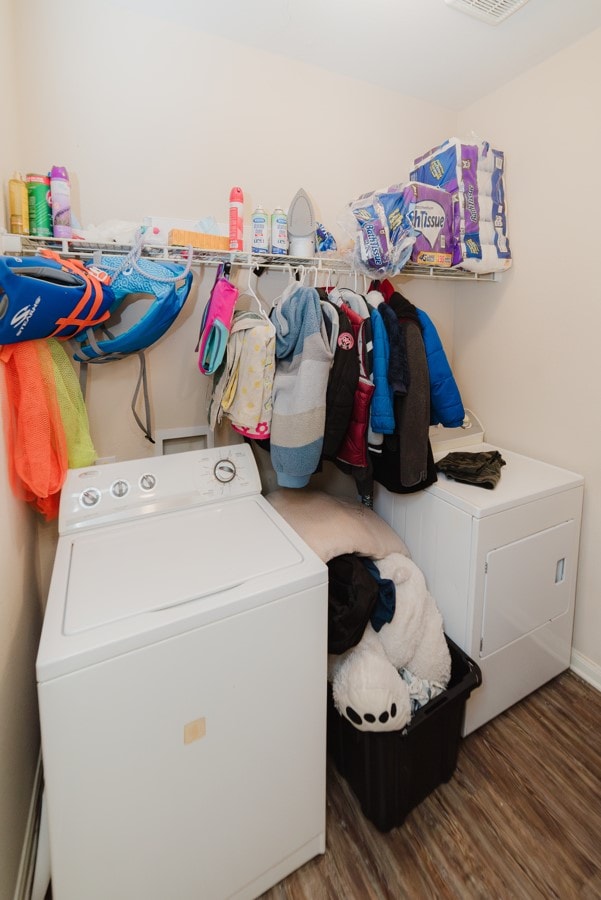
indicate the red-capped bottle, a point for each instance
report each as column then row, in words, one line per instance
column 236, row 219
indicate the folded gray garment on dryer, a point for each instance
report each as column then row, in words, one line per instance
column 482, row 467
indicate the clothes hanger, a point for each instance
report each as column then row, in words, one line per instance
column 254, row 270
column 332, row 289
column 290, row 286
column 312, row 271
column 247, row 290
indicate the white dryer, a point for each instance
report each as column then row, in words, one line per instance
column 182, row 684
column 501, row 565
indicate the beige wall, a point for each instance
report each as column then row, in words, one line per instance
column 527, row 351
column 19, row 606
column 167, row 132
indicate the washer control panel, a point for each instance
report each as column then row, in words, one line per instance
column 107, row 494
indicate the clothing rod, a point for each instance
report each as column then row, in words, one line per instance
column 27, row 245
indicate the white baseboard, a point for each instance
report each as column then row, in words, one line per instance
column 29, row 850
column 586, row 669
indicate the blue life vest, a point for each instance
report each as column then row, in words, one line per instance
column 166, row 283
column 46, row 296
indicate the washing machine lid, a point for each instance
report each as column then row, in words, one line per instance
column 161, row 562
column 120, row 588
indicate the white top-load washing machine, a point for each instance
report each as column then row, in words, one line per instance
column 182, row 684
column 500, row 563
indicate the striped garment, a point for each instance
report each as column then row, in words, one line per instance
column 303, row 360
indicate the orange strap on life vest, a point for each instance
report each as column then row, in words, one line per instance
column 79, row 319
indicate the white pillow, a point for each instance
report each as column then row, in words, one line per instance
column 332, row 525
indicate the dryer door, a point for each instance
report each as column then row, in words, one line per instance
column 528, row 583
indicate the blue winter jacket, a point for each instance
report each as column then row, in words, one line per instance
column 382, row 409
column 446, row 406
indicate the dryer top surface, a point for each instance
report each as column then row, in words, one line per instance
column 522, row 479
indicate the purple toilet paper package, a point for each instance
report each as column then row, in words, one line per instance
column 473, row 173
column 432, row 219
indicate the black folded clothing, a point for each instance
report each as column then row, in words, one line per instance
column 482, row 468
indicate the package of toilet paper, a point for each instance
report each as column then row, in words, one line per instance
column 379, row 222
column 432, row 219
column 473, row 173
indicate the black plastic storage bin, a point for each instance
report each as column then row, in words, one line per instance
column 391, row 772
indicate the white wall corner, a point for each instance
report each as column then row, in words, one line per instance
column 586, row 669
column 25, row 878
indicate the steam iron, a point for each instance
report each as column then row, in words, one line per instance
column 301, row 226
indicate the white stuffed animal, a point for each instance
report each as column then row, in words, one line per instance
column 366, row 685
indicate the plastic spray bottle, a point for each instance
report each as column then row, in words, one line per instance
column 236, row 219
column 60, row 191
column 18, row 205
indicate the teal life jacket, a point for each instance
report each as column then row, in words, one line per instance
column 158, row 289
column 149, row 295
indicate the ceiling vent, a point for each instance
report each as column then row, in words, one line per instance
column 491, row 11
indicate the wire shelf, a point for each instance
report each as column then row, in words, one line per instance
column 26, row 245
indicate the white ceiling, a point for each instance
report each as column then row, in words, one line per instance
column 423, row 48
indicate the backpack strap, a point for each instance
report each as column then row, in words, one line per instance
column 79, row 318
column 142, row 383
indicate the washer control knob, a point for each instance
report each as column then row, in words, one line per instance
column 119, row 488
column 224, row 471
column 89, row 497
column 147, row 481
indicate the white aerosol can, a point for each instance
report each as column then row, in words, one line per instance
column 279, row 232
column 261, row 231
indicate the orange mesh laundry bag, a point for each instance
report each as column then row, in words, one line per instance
column 36, row 445
column 80, row 449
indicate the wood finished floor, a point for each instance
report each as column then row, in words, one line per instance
column 521, row 817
